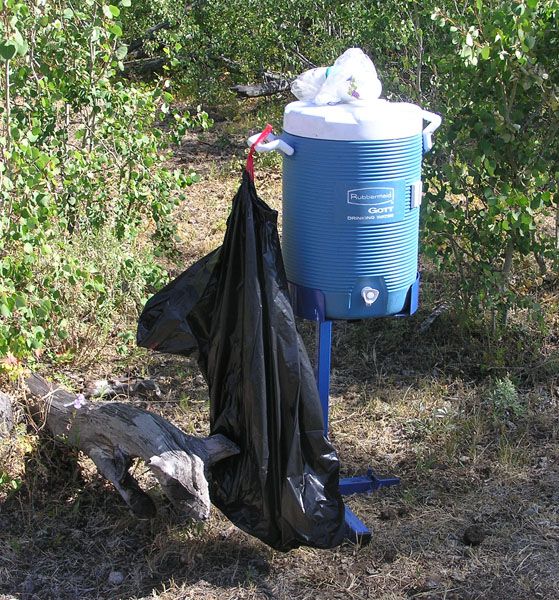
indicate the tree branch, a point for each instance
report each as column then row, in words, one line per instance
column 113, row 433
column 262, row 89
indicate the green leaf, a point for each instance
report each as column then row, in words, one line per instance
column 23, row 48
column 8, row 49
column 68, row 13
column 489, row 167
column 28, row 248
column 115, row 10
column 107, row 11
column 121, row 52
column 20, row 43
column 485, row 52
column 125, row 3
column 115, row 30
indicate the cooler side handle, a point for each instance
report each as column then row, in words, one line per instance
column 434, row 121
column 275, row 143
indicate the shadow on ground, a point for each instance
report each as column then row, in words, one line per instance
column 66, row 534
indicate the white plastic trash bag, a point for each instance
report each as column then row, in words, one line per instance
column 352, row 77
column 308, row 84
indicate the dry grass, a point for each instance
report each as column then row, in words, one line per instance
column 415, row 406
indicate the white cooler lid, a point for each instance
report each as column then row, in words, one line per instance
column 373, row 120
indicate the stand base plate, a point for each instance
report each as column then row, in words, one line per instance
column 356, row 531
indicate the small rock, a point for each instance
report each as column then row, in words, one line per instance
column 473, row 536
column 146, row 386
column 227, row 532
column 387, row 514
column 98, row 387
column 116, row 577
column 432, row 583
column 390, row 555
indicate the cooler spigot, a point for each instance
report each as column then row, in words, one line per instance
column 369, row 295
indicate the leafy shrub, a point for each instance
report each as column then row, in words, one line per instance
column 493, row 187
column 82, row 158
column 504, row 400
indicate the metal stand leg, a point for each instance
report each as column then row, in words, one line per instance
column 357, row 532
column 323, row 368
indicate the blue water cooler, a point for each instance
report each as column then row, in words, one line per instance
column 351, row 200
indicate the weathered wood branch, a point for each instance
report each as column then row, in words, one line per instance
column 136, row 45
column 272, row 83
column 145, row 66
column 113, row 433
column 266, row 88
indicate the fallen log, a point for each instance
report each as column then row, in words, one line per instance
column 112, row 434
column 145, row 67
column 267, row 88
column 272, row 83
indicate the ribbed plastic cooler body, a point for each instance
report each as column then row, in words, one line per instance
column 351, row 220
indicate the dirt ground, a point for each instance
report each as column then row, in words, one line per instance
column 476, row 514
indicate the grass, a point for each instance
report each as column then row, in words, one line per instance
column 469, row 423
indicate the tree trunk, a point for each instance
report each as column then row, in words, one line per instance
column 113, row 433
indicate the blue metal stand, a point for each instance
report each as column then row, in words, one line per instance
column 324, row 352
column 357, row 532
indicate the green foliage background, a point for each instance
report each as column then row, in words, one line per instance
column 82, row 172
column 84, row 149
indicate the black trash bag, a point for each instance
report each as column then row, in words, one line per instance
column 283, row 486
column 163, row 323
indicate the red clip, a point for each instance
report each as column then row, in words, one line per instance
column 250, row 160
